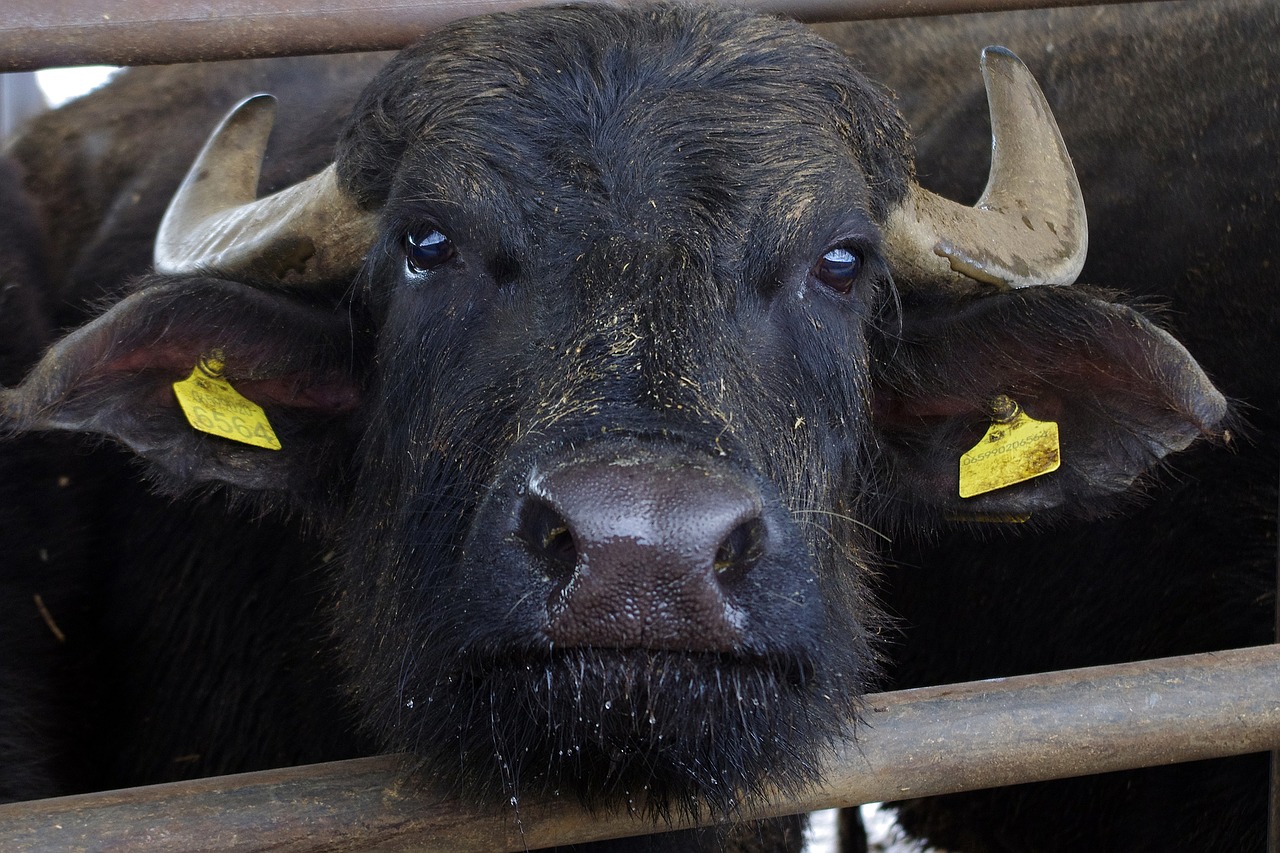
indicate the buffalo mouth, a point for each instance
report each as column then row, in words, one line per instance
column 654, row 731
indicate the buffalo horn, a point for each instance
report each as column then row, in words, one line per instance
column 309, row 233
column 1029, row 225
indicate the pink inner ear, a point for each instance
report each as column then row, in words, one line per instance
column 163, row 357
column 888, row 409
column 335, row 393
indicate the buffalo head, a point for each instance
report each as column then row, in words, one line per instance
column 604, row 353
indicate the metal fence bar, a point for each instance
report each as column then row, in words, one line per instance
column 41, row 34
column 916, row 743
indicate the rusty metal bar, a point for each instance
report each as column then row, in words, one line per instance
column 41, row 34
column 916, row 743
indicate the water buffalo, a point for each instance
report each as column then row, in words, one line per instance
column 591, row 349
column 1172, row 116
column 35, row 673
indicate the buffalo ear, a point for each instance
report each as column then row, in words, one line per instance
column 1123, row 392
column 114, row 376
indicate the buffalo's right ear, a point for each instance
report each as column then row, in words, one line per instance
column 296, row 358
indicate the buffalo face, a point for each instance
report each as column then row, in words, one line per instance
column 639, row 390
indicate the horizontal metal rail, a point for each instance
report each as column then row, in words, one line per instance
column 915, row 743
column 42, row 33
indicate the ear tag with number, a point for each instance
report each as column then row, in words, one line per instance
column 1016, row 447
column 213, row 406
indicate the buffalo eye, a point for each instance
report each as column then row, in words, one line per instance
column 425, row 252
column 839, row 268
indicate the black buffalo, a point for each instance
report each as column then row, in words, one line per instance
column 598, row 359
column 1172, row 115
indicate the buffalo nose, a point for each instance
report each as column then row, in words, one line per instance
column 643, row 552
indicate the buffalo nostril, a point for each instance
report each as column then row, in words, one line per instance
column 739, row 550
column 547, row 535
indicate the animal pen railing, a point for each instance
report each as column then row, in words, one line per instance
column 915, row 743
column 41, row 34
column 932, row 740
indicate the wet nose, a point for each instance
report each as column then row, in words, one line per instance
column 644, row 552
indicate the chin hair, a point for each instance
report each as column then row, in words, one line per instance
column 660, row 732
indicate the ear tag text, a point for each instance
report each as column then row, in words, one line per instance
column 1016, row 448
column 213, row 406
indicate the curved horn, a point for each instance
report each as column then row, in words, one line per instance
column 309, row 233
column 1028, row 228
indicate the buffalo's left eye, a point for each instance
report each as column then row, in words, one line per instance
column 428, row 251
column 838, row 269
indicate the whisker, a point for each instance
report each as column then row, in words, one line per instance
column 519, row 601
column 842, row 517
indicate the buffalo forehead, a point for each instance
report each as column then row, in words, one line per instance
column 626, row 137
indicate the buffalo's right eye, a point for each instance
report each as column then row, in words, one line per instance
column 427, row 251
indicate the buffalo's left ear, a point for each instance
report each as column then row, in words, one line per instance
column 1123, row 393
column 295, row 358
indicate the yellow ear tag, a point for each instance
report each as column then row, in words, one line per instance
column 213, row 406
column 1016, row 447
